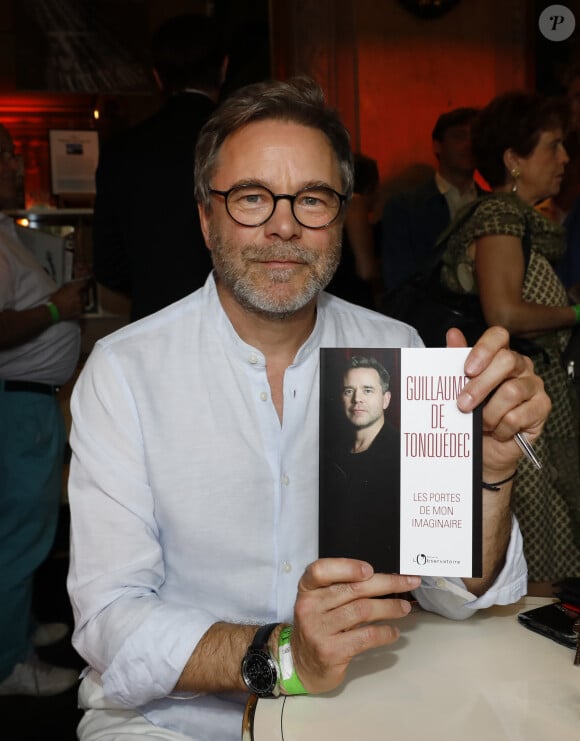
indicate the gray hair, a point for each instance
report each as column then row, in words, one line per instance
column 299, row 100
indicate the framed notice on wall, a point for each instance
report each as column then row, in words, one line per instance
column 74, row 155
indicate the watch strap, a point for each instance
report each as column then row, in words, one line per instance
column 262, row 634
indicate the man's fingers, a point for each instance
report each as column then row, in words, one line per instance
column 337, row 616
column 505, row 365
column 356, row 634
column 327, row 571
column 519, row 404
column 455, row 338
column 347, row 615
column 342, row 575
column 318, row 595
column 324, row 648
column 487, row 346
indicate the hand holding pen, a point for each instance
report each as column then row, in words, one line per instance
column 512, row 393
column 527, row 448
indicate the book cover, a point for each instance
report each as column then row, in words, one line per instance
column 56, row 255
column 400, row 465
column 51, row 251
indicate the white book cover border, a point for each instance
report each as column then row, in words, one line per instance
column 439, row 446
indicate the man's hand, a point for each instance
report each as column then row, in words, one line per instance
column 17, row 327
column 69, row 299
column 336, row 617
column 513, row 394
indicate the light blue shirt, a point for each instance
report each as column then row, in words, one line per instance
column 192, row 504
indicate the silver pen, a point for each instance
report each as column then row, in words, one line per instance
column 527, row 448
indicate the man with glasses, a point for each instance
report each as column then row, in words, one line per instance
column 194, row 478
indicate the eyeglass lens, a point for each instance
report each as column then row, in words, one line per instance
column 252, row 205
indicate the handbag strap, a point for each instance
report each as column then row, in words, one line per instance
column 425, row 271
column 463, row 215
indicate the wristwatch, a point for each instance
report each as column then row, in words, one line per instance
column 259, row 668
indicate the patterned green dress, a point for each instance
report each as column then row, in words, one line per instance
column 546, row 502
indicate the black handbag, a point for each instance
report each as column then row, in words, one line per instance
column 424, row 304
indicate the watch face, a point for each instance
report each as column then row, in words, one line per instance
column 259, row 673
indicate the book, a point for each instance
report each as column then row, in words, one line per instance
column 400, row 465
column 54, row 253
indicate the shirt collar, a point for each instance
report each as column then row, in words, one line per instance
column 248, row 353
column 444, row 187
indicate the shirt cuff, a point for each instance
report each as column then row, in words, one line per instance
column 449, row 597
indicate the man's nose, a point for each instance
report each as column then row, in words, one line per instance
column 282, row 223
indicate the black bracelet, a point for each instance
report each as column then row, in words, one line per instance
column 498, row 484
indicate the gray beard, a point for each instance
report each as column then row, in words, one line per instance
column 260, row 302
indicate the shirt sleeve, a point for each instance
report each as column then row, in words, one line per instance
column 450, row 598
column 498, row 216
column 125, row 629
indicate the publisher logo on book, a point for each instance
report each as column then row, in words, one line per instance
column 422, row 559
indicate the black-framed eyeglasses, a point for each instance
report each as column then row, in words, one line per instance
column 314, row 207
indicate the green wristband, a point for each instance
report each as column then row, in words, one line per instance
column 289, row 681
column 54, row 312
column 576, row 308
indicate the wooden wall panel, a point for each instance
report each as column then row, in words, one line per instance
column 410, row 70
column 318, row 39
column 391, row 74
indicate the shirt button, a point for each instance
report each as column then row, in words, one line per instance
column 253, row 359
column 287, row 567
column 285, row 480
column 264, row 396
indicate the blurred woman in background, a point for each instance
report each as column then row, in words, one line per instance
column 505, row 253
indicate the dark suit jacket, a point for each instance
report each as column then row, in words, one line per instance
column 147, row 237
column 411, row 223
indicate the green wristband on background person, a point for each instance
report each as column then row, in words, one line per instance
column 55, row 313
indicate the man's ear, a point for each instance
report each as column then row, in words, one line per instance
column 204, row 223
column 386, row 399
column 436, row 149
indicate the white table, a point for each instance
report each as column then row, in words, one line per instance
column 484, row 679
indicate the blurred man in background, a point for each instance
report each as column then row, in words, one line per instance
column 147, row 238
column 413, row 220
